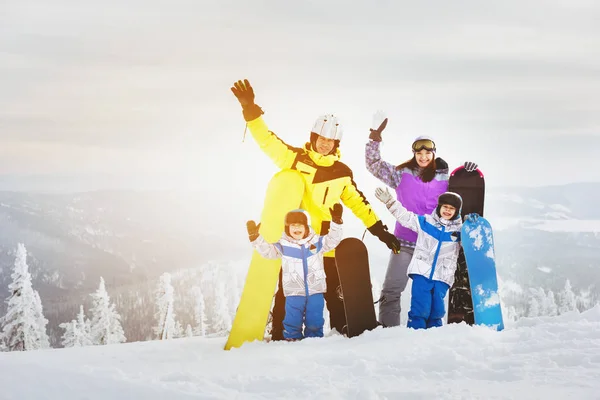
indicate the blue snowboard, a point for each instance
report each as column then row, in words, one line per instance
column 478, row 246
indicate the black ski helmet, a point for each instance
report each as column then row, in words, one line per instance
column 452, row 199
column 298, row 216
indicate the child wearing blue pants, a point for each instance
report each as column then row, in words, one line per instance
column 303, row 273
column 436, row 251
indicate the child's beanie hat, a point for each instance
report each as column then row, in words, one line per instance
column 452, row 199
column 298, row 216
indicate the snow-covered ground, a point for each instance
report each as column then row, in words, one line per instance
column 535, row 358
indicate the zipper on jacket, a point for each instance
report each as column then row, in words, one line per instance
column 325, row 196
column 305, row 268
column 437, row 253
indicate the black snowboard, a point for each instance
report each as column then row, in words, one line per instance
column 352, row 262
column 471, row 187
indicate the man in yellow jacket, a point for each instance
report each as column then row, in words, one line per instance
column 327, row 182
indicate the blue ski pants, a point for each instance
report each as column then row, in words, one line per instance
column 307, row 311
column 427, row 306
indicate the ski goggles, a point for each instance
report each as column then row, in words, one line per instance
column 423, row 144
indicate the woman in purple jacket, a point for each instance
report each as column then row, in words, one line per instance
column 418, row 183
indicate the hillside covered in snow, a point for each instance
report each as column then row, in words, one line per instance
column 535, row 358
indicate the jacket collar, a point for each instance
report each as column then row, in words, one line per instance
column 321, row 160
column 448, row 224
column 311, row 234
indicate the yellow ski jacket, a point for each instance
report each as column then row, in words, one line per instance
column 327, row 179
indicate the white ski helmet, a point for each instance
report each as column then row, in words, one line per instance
column 328, row 126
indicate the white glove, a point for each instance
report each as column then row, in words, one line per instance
column 378, row 118
column 384, row 195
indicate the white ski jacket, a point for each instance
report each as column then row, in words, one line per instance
column 438, row 243
column 301, row 260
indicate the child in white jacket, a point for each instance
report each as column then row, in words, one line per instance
column 303, row 274
column 433, row 263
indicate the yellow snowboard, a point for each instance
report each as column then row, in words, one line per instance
column 284, row 194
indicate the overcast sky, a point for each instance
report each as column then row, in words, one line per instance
column 136, row 93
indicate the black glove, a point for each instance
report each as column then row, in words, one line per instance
column 336, row 213
column 245, row 95
column 380, row 230
column 252, row 230
column 376, row 133
column 440, row 163
column 470, row 166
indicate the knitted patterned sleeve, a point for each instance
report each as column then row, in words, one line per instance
column 380, row 169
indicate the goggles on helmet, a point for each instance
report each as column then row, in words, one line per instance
column 423, row 144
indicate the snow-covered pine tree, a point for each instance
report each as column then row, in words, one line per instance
column 232, row 289
column 70, row 335
column 510, row 313
column 222, row 321
column 76, row 332
column 105, row 326
column 42, row 322
column 165, row 314
column 189, row 332
column 550, row 308
column 117, row 332
column 199, row 312
column 83, row 326
column 585, row 299
column 21, row 328
column 513, row 295
column 178, row 330
column 535, row 307
column 546, row 306
column 568, row 301
column 209, row 289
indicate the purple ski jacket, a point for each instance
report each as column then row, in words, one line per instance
column 414, row 194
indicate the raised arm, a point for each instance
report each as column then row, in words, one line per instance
column 406, row 218
column 266, row 249
column 382, row 170
column 334, row 236
column 276, row 149
column 356, row 201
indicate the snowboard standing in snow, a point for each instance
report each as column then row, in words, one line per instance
column 478, row 245
column 352, row 262
column 471, row 187
column 284, row 194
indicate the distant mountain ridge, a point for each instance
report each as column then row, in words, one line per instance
column 575, row 200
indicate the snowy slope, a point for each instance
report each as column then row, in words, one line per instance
column 539, row 358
